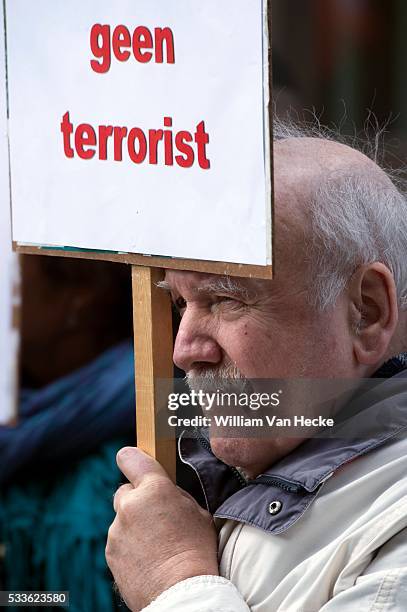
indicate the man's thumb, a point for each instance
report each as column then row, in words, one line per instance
column 137, row 465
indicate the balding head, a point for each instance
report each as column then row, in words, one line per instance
column 341, row 210
column 301, row 163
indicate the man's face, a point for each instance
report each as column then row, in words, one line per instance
column 262, row 329
column 268, row 329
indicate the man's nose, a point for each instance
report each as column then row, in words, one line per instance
column 194, row 345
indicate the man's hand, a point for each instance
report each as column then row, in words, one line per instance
column 160, row 535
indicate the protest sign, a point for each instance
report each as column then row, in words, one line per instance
column 139, row 132
column 141, row 128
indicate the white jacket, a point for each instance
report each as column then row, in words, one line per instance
column 341, row 545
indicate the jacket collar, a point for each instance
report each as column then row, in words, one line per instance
column 294, row 481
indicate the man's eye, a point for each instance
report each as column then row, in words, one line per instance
column 228, row 303
column 180, row 303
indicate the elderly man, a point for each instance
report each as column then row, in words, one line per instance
column 304, row 524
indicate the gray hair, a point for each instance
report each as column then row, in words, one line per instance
column 355, row 220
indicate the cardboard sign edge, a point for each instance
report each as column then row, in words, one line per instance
column 152, row 261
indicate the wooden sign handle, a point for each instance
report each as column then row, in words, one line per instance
column 153, row 365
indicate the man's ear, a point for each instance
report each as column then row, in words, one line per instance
column 374, row 312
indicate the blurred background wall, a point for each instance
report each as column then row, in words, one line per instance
column 345, row 59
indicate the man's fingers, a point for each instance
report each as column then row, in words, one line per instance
column 137, row 465
column 119, row 494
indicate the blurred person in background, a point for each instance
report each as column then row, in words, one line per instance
column 76, row 409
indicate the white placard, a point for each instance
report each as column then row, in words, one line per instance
column 141, row 126
column 8, row 267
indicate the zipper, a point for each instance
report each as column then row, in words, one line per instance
column 204, row 442
column 268, row 480
column 277, row 482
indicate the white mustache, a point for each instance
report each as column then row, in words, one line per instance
column 212, row 379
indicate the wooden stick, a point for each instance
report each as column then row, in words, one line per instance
column 154, row 366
